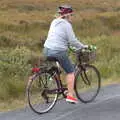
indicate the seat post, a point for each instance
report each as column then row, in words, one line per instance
column 58, row 66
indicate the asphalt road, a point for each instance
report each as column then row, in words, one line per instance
column 105, row 107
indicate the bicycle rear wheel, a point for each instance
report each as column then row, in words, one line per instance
column 40, row 99
column 87, row 83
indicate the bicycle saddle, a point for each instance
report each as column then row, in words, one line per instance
column 49, row 58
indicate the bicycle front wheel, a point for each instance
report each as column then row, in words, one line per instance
column 42, row 93
column 87, row 83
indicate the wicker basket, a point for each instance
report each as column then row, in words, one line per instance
column 87, row 56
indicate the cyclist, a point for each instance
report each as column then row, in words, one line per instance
column 60, row 37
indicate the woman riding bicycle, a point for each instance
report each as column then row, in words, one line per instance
column 60, row 37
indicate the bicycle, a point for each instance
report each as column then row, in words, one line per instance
column 45, row 85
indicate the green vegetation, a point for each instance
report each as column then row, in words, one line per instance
column 23, row 28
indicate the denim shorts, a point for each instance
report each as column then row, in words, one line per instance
column 62, row 58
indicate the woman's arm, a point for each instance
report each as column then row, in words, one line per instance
column 72, row 40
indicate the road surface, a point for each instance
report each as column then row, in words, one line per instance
column 105, row 107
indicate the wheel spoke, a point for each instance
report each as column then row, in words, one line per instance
column 87, row 83
column 40, row 100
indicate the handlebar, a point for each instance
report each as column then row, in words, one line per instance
column 88, row 49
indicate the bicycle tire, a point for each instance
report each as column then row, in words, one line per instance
column 35, row 89
column 87, row 77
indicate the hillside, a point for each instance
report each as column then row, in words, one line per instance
column 23, row 28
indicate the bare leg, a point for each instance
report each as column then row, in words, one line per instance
column 70, row 77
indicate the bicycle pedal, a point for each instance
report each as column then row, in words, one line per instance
column 66, row 92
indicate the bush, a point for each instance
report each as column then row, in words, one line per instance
column 14, row 69
column 11, row 87
column 15, row 61
column 107, row 54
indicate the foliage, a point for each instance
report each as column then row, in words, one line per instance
column 24, row 26
column 14, row 69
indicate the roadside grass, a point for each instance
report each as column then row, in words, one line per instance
column 111, row 81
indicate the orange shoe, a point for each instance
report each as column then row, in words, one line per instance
column 71, row 99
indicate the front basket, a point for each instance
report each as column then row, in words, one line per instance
column 87, row 56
